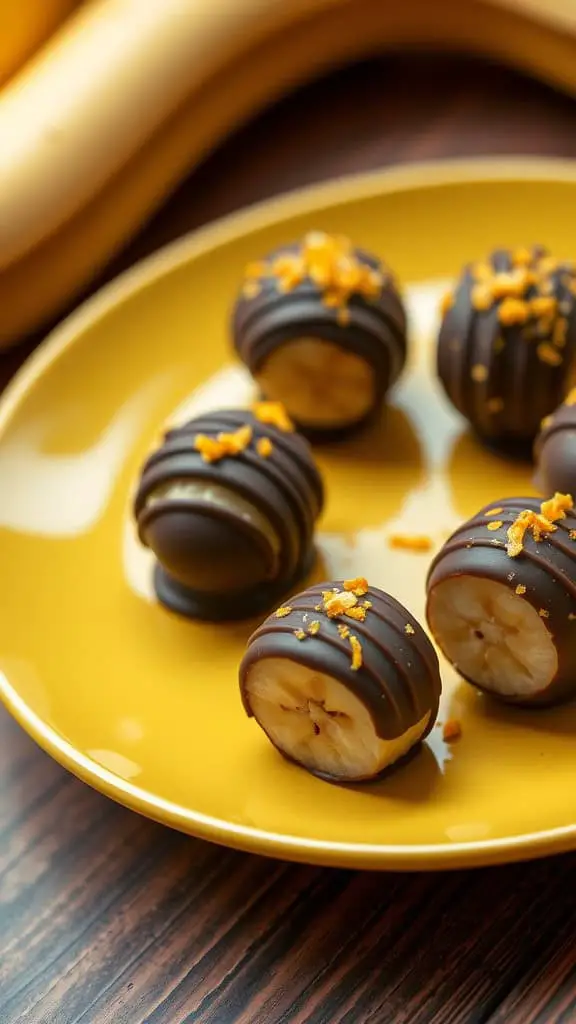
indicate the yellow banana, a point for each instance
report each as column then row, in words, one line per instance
column 97, row 91
column 40, row 284
column 24, row 26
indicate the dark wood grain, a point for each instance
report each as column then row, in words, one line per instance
column 106, row 918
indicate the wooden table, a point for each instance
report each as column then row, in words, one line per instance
column 106, row 918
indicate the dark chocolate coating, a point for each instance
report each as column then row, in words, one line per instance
column 376, row 330
column 547, row 569
column 216, row 564
column 555, row 452
column 528, row 388
column 399, row 679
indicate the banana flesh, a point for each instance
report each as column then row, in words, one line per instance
column 319, row 723
column 319, row 383
column 492, row 636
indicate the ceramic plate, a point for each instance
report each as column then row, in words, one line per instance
column 144, row 706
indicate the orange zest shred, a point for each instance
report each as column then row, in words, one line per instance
column 358, row 586
column 481, row 297
column 274, row 414
column 572, row 534
column 494, row 525
column 451, row 730
column 264, row 447
column 494, row 511
column 358, row 613
column 344, row 631
column 212, row 449
column 557, row 506
column 543, row 613
column 543, row 305
column 314, row 627
column 410, row 542
column 339, row 603
column 513, row 311
column 282, row 612
column 549, row 355
column 356, row 652
column 409, row 629
column 520, row 589
column 300, row 634
column 526, row 520
column 251, row 289
column 255, row 269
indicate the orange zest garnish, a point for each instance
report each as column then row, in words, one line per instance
column 358, row 586
column 410, row 542
column 409, row 629
column 212, row 449
column 557, row 507
column 513, row 311
column 281, row 613
column 314, row 627
column 274, row 414
column 356, row 652
column 331, row 262
column 358, row 613
column 549, row 355
column 526, row 520
column 339, row 603
column 264, row 447
column 494, row 525
column 452, row 730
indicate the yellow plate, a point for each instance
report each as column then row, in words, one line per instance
column 144, row 706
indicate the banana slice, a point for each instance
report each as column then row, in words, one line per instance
column 319, row 723
column 343, row 680
column 320, row 383
column 492, row 636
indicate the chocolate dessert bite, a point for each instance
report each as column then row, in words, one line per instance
column 228, row 505
column 555, row 449
column 502, row 600
column 507, row 343
column 343, row 681
column 321, row 327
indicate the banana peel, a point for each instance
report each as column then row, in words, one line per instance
column 59, row 256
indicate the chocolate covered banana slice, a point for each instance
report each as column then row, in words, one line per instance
column 507, row 343
column 502, row 600
column 343, row 681
column 321, row 327
column 228, row 505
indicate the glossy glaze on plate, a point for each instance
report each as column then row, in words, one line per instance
column 145, row 706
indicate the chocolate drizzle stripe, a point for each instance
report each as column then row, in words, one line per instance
column 418, row 645
column 334, row 640
column 270, row 301
column 290, row 443
column 527, row 552
column 419, row 639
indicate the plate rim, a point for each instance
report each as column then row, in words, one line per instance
column 432, row 174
